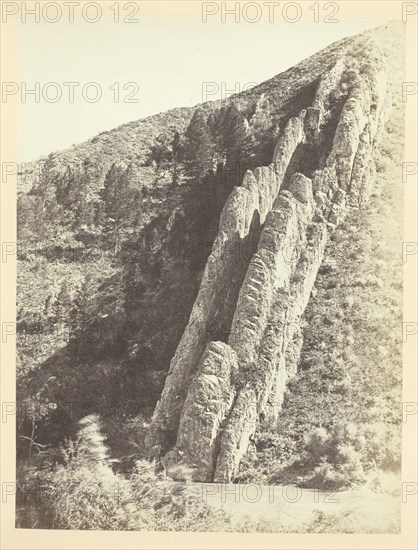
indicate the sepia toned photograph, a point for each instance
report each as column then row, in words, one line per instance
column 210, row 255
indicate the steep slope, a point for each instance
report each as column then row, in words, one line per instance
column 213, row 401
column 210, row 263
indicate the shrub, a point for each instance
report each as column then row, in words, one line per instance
column 342, row 457
column 82, row 492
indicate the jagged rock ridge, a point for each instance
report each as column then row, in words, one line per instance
column 259, row 276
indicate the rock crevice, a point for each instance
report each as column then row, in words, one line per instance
column 216, row 391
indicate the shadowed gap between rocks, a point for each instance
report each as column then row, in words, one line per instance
column 312, row 154
column 238, row 253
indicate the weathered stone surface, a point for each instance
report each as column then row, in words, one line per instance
column 356, row 130
column 327, row 84
column 216, row 392
column 208, row 401
column 312, row 121
column 301, row 188
column 292, row 136
column 236, row 435
column 245, row 209
column 270, row 268
column 347, row 134
column 289, row 335
column 269, row 339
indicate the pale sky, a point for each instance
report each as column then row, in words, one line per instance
column 168, row 58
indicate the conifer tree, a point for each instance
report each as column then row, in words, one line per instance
column 87, row 195
column 198, row 149
column 63, row 305
column 116, row 195
column 177, row 146
column 48, row 212
column 237, row 144
column 234, row 144
column 161, row 151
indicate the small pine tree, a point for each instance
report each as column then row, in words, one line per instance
column 63, row 305
column 80, row 315
column 161, row 151
column 198, row 148
column 48, row 213
column 85, row 195
column 116, row 195
column 177, row 147
column 237, row 142
column 234, row 144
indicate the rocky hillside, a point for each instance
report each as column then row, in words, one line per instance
column 165, row 266
column 217, row 389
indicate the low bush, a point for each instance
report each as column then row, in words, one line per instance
column 80, row 490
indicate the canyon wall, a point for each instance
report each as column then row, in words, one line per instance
column 243, row 339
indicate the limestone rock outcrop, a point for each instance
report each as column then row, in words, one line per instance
column 221, row 383
column 244, row 212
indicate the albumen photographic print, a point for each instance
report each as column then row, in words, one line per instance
column 209, row 248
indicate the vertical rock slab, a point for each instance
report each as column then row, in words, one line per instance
column 266, row 307
column 245, row 209
column 271, row 267
column 347, row 136
column 215, row 391
column 235, row 437
column 208, row 402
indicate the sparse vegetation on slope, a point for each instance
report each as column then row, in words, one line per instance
column 341, row 417
column 114, row 235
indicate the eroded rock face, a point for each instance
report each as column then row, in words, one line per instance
column 208, row 401
column 216, row 391
column 236, row 434
column 244, row 211
column 265, row 331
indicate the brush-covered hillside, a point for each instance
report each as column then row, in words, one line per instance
column 222, row 285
